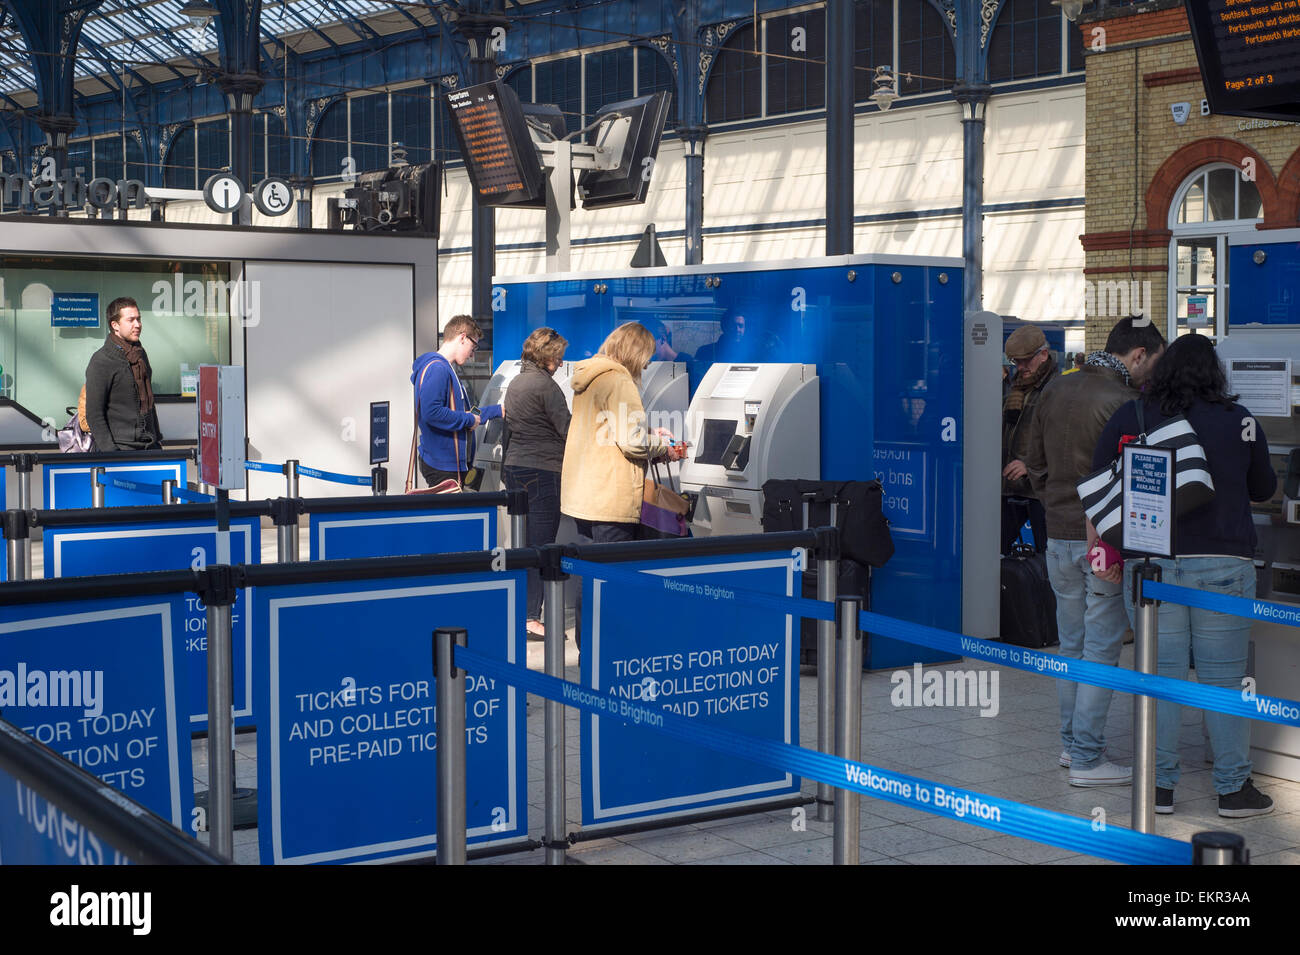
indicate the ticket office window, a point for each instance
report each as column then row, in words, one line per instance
column 1212, row 204
column 46, row 340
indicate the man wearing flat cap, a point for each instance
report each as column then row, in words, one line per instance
column 1035, row 367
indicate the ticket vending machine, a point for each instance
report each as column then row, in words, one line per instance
column 487, row 458
column 748, row 424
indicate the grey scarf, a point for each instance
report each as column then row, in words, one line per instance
column 1106, row 360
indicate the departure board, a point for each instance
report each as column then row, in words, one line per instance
column 499, row 155
column 1249, row 51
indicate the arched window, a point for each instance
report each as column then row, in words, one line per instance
column 212, row 149
column 271, row 156
column 560, row 82
column 368, row 132
column 330, row 143
column 412, row 122
column 735, row 89
column 178, row 167
column 796, row 62
column 609, row 78
column 924, row 49
column 653, row 74
column 1211, row 204
column 1026, row 41
column 873, row 46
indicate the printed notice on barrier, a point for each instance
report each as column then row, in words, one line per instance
column 1263, row 385
column 1148, row 500
column 735, row 382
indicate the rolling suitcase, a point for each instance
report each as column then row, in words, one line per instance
column 1028, row 611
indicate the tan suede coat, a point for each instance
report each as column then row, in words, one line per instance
column 608, row 446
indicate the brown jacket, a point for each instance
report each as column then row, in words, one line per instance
column 1071, row 413
column 608, row 445
column 1015, row 437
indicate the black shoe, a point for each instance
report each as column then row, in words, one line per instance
column 1164, row 801
column 1246, row 801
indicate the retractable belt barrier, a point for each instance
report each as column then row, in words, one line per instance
column 303, row 471
column 1002, row 815
column 1288, row 614
column 181, row 493
column 1219, row 699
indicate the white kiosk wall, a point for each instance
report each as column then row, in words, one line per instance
column 311, row 380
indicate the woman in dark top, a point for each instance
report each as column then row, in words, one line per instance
column 538, row 418
column 1215, row 548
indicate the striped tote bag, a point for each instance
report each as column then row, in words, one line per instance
column 1102, row 492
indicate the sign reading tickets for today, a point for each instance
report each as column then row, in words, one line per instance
column 100, row 683
column 1149, row 500
column 73, row 551
column 347, row 732
column 698, row 651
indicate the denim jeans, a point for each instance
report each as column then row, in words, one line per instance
column 1091, row 622
column 543, row 489
column 1219, row 642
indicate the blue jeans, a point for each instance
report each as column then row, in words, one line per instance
column 543, row 489
column 1091, row 622
column 1219, row 642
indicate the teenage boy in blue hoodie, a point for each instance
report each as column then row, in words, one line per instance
column 447, row 419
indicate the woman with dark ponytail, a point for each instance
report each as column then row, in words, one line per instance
column 1215, row 550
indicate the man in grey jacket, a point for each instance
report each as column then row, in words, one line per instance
column 1090, row 615
column 119, row 386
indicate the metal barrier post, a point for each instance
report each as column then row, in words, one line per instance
column 451, row 745
column 1145, row 641
column 379, row 480
column 96, row 487
column 23, row 465
column 848, row 724
column 291, row 478
column 169, row 491
column 1219, row 848
column 219, row 597
column 17, row 534
column 517, row 508
column 284, row 514
column 555, row 839
column 828, row 568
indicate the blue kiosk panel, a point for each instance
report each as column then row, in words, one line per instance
column 172, row 545
column 886, row 337
column 346, row 751
column 101, row 682
column 393, row 533
column 715, row 660
column 1264, row 292
column 68, row 485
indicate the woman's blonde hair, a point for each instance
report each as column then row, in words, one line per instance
column 545, row 345
column 631, row 345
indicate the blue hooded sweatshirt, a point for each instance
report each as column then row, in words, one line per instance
column 442, row 407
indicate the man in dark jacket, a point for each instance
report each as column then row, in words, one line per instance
column 119, row 386
column 1090, row 616
column 1035, row 367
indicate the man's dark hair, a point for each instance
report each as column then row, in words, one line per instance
column 462, row 324
column 1130, row 333
column 115, row 307
column 1189, row 370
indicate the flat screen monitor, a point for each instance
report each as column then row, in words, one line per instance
column 1250, row 56
column 494, row 140
column 640, row 125
column 716, row 435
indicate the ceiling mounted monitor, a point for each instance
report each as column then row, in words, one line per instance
column 1250, row 56
column 632, row 130
column 495, row 143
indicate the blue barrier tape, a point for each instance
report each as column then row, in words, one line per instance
column 125, row 485
column 264, row 466
column 332, row 476
column 990, row 812
column 195, row 497
column 1220, row 699
column 674, row 586
column 1288, row 614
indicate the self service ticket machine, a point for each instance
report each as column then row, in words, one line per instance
column 1262, row 365
column 748, row 424
column 488, row 456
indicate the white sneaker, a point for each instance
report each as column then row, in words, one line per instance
column 1064, row 758
column 1103, row 774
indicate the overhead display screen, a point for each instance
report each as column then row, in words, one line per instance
column 1249, row 51
column 494, row 142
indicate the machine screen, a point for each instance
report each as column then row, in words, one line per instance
column 717, row 433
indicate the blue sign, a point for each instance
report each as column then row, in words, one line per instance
column 378, row 432
column 68, row 485
column 394, row 533
column 100, row 683
column 700, row 655
column 346, row 747
column 74, row 310
column 173, row 545
column 901, row 471
column 35, row 831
